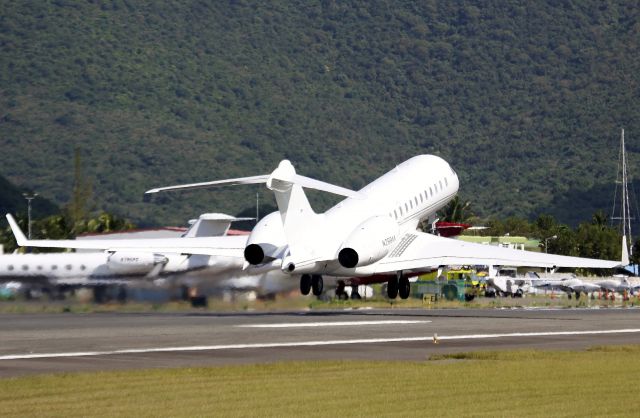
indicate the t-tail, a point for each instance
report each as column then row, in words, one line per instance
column 298, row 218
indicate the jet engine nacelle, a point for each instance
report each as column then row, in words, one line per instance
column 369, row 242
column 134, row 262
column 266, row 241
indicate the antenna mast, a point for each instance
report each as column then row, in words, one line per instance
column 626, row 212
column 625, row 205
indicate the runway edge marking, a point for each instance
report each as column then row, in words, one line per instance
column 312, row 343
column 333, row 324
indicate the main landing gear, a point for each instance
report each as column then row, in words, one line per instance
column 341, row 293
column 311, row 283
column 398, row 285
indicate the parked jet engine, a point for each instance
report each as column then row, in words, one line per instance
column 369, row 242
column 134, row 262
column 266, row 241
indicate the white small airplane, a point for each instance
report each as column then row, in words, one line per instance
column 505, row 282
column 569, row 285
column 620, row 285
column 371, row 236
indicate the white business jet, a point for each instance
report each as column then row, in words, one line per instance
column 372, row 233
column 188, row 259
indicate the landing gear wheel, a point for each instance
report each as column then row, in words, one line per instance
column 404, row 287
column 316, row 284
column 392, row 288
column 305, row 284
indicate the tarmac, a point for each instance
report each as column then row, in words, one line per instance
column 71, row 342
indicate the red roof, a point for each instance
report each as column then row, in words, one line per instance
column 450, row 229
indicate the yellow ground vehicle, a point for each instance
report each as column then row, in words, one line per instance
column 461, row 284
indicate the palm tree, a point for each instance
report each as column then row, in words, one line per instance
column 457, row 211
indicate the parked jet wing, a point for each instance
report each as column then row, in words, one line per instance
column 225, row 246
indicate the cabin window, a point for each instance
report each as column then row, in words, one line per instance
column 446, row 183
column 68, row 266
column 83, row 267
column 39, row 267
column 440, row 184
column 10, row 268
column 406, row 208
column 395, row 214
column 54, row 267
column 411, row 204
column 400, row 209
column 25, row 267
column 430, row 192
column 421, row 198
column 416, row 201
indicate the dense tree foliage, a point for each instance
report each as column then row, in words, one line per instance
column 60, row 226
column 524, row 98
column 457, row 211
column 595, row 239
column 12, row 200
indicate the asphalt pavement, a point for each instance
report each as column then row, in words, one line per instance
column 67, row 342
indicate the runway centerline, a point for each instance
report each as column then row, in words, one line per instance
column 315, row 343
column 334, row 324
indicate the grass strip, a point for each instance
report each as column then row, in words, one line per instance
column 596, row 382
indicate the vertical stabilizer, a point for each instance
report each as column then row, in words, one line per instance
column 297, row 215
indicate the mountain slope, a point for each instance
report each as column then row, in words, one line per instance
column 12, row 201
column 525, row 100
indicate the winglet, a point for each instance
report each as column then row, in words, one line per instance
column 21, row 239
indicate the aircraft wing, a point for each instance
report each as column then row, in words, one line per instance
column 418, row 250
column 227, row 246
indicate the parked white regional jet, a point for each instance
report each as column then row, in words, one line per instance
column 370, row 234
column 134, row 259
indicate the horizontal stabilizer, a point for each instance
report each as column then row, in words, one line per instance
column 207, row 184
column 290, row 178
column 310, row 183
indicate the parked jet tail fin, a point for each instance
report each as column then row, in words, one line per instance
column 21, row 239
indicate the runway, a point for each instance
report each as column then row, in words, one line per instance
column 39, row 343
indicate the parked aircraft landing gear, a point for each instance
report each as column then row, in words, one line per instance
column 316, row 284
column 404, row 287
column 392, row 288
column 354, row 292
column 305, row 284
column 340, row 293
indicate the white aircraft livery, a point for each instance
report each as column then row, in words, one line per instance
column 370, row 234
column 125, row 261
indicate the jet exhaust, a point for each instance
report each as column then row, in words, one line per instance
column 254, row 254
column 348, row 258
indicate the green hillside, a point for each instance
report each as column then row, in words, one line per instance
column 525, row 99
column 12, row 201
